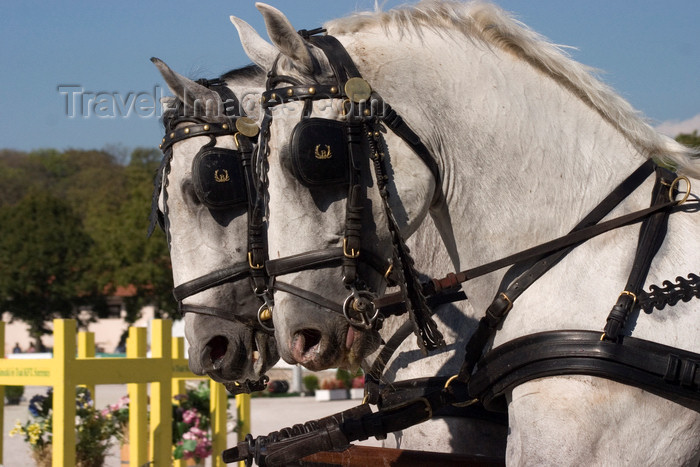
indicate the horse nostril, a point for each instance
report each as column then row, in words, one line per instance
column 311, row 338
column 218, row 346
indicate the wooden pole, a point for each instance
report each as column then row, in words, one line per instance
column 86, row 349
column 161, row 396
column 138, row 401
column 63, row 453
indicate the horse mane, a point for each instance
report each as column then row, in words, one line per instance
column 490, row 24
column 248, row 71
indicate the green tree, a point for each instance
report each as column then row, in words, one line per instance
column 128, row 257
column 44, row 255
column 689, row 139
column 19, row 173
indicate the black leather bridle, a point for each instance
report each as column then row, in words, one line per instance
column 179, row 127
column 244, row 130
column 365, row 116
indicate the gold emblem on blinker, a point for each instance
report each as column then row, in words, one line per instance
column 221, row 177
column 247, row 126
column 357, row 89
column 322, row 153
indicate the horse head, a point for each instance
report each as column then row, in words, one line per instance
column 204, row 198
column 329, row 234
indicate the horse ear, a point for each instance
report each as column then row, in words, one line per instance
column 261, row 52
column 285, row 37
column 199, row 100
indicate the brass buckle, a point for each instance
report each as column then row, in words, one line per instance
column 256, row 266
column 634, row 297
column 265, row 314
column 449, row 381
column 673, row 185
column 510, row 303
column 388, row 271
column 343, row 110
column 460, row 404
column 352, row 254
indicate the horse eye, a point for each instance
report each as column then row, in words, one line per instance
column 285, row 159
column 189, row 194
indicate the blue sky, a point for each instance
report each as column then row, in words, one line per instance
column 649, row 51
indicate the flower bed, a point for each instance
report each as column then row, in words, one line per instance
column 95, row 432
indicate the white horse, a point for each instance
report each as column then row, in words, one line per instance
column 226, row 341
column 235, row 350
column 477, row 437
column 527, row 142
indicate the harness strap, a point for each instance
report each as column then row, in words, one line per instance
column 373, row 376
column 215, row 278
column 232, row 108
column 257, row 250
column 420, row 314
column 157, row 218
column 666, row 371
column 326, row 257
column 354, row 206
column 402, row 130
column 651, row 236
column 246, row 387
column 451, row 280
column 288, row 445
column 340, row 61
column 503, row 302
column 338, row 308
column 398, row 393
column 216, row 312
column 199, row 129
column 309, row 296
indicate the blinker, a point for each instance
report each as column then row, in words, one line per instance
column 319, row 151
column 219, row 179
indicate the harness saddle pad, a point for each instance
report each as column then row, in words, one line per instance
column 319, row 152
column 219, row 179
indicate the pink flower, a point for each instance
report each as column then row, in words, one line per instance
column 122, row 403
column 191, row 417
column 203, row 449
column 198, row 432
